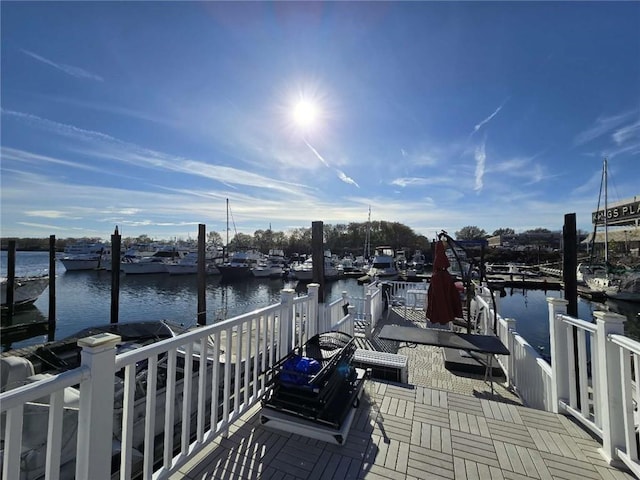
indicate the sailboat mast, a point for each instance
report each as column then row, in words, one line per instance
column 227, row 247
column 606, row 224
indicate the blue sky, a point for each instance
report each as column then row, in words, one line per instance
column 148, row 115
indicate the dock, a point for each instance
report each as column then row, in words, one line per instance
column 442, row 424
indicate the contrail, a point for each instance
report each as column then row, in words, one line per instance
column 341, row 175
column 317, row 154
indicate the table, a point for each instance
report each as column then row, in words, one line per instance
column 489, row 345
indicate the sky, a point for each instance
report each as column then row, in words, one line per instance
column 438, row 115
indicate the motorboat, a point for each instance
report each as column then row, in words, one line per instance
column 304, row 271
column 273, row 267
column 156, row 263
column 26, row 290
column 41, row 362
column 188, row 265
column 83, row 256
column 383, row 265
column 240, row 265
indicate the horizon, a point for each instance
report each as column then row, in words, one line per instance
column 435, row 115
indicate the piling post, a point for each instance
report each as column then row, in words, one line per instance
column 51, row 329
column 610, row 383
column 202, row 275
column 11, row 279
column 115, row 276
column 317, row 255
column 560, row 364
column 95, row 415
column 570, row 263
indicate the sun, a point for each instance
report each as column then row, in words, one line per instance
column 305, row 114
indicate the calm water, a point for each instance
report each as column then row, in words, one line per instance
column 84, row 299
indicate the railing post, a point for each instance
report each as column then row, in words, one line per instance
column 368, row 318
column 509, row 340
column 313, row 321
column 351, row 309
column 560, row 363
column 95, row 416
column 610, row 382
column 286, row 321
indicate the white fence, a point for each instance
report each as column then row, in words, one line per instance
column 195, row 386
column 199, row 383
column 594, row 375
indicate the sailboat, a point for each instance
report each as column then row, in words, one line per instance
column 242, row 262
column 621, row 286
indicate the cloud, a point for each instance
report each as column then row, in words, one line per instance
column 45, row 213
column 76, row 72
column 488, row 119
column 341, row 175
column 480, row 157
column 602, row 126
column 346, row 179
column 320, row 157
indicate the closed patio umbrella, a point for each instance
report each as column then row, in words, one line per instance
column 443, row 298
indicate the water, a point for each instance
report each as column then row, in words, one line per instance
column 84, row 299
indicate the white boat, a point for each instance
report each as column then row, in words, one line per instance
column 383, row 265
column 26, row 290
column 188, row 265
column 273, row 267
column 157, row 263
column 304, row 271
column 83, row 256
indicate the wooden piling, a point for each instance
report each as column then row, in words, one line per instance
column 11, row 279
column 52, row 289
column 115, row 276
column 202, row 275
column 317, row 255
column 570, row 263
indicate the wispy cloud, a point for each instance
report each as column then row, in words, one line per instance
column 480, row 158
column 489, row 118
column 341, row 175
column 76, row 72
column 346, row 179
column 603, row 126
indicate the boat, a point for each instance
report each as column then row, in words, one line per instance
column 383, row 265
column 41, row 362
column 274, row 266
column 240, row 265
column 156, row 263
column 617, row 284
column 188, row 265
column 304, row 271
column 26, row 290
column 83, row 256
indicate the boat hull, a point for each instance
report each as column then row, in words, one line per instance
column 233, row 273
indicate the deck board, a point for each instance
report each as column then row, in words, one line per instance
column 442, row 425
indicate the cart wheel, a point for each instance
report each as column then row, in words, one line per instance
column 356, row 403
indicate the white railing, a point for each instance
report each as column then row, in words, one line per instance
column 195, row 386
column 199, row 383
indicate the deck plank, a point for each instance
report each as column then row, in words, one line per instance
column 443, row 425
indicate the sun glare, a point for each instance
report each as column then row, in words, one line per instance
column 305, row 114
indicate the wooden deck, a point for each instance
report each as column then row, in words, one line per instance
column 442, row 425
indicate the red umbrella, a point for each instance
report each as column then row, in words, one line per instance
column 443, row 298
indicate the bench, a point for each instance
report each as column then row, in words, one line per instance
column 384, row 365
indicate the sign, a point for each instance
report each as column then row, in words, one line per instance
column 618, row 214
